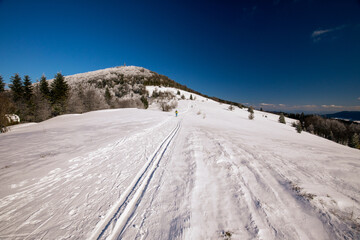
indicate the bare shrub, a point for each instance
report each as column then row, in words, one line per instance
column 167, row 100
column 168, row 106
column 128, row 103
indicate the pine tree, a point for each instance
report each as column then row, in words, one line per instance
column 59, row 94
column 2, row 84
column 251, row 109
column 44, row 87
column 191, row 97
column 354, row 142
column 28, row 89
column 16, row 87
column 282, row 118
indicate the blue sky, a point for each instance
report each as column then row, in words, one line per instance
column 291, row 55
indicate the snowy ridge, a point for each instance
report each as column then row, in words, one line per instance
column 109, row 73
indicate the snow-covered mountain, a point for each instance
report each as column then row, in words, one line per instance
column 209, row 173
column 126, row 85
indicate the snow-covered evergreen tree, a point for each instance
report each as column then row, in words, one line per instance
column 282, row 118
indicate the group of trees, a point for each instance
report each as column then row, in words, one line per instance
column 343, row 132
column 5, row 106
column 45, row 99
column 339, row 131
column 166, row 100
column 161, row 80
column 33, row 102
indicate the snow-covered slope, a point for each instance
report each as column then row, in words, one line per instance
column 145, row 174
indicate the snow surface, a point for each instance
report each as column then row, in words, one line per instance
column 145, row 174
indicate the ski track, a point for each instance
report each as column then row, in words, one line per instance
column 82, row 170
column 122, row 211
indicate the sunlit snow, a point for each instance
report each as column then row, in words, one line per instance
column 146, row 174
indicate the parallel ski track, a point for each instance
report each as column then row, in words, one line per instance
column 122, row 211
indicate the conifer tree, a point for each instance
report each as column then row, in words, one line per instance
column 44, row 87
column 354, row 142
column 299, row 127
column 2, row 84
column 59, row 94
column 16, row 87
column 191, row 97
column 282, row 118
column 251, row 109
column 28, row 89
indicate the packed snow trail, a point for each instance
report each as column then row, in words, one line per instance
column 135, row 175
column 131, row 196
column 210, row 193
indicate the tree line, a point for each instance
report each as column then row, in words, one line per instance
column 343, row 132
column 33, row 102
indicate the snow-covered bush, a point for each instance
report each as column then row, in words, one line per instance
column 299, row 127
column 168, row 106
column 251, row 116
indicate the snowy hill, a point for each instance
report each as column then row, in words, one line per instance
column 210, row 173
column 126, row 86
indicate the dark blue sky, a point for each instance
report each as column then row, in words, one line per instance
column 282, row 54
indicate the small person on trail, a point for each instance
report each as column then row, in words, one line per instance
column 176, row 113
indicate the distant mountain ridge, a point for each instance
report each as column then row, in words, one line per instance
column 346, row 115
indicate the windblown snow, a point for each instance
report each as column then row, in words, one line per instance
column 209, row 173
